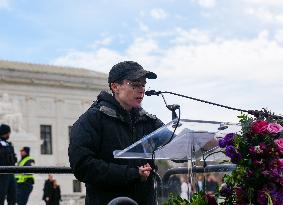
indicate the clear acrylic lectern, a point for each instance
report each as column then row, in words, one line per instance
column 191, row 140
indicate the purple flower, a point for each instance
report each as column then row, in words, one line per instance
column 277, row 198
column 230, row 151
column 233, row 154
column 275, row 172
column 227, row 140
column 236, row 158
column 225, row 191
column 222, row 143
column 270, row 187
column 261, row 198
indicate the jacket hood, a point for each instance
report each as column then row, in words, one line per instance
column 105, row 97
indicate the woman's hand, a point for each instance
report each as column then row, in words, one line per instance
column 144, row 171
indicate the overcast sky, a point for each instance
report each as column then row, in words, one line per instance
column 225, row 51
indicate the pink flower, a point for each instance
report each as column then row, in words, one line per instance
column 250, row 173
column 256, row 150
column 279, row 145
column 265, row 173
column 258, row 162
column 239, row 192
column 259, row 127
column 210, row 200
column 262, row 146
column 274, row 128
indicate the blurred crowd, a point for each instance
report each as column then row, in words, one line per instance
column 16, row 189
column 183, row 186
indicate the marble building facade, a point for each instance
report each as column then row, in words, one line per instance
column 41, row 102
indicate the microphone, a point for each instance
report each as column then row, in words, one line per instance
column 152, row 92
column 173, row 107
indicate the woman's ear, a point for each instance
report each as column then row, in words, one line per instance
column 115, row 87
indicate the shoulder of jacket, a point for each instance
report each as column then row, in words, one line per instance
column 31, row 159
column 98, row 108
column 108, row 111
column 4, row 143
column 142, row 112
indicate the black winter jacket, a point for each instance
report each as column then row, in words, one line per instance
column 7, row 153
column 103, row 128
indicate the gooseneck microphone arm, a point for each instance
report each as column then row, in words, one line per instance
column 172, row 108
column 256, row 113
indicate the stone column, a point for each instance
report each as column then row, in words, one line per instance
column 30, row 116
column 60, row 134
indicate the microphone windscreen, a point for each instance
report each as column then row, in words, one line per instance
column 149, row 92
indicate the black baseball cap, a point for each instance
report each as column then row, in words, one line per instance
column 128, row 70
column 26, row 149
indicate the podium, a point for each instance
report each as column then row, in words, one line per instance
column 189, row 140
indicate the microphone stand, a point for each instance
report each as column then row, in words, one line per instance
column 173, row 109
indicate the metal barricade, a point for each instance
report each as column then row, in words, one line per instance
column 161, row 184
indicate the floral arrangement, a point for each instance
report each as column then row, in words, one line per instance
column 258, row 154
column 257, row 179
column 199, row 198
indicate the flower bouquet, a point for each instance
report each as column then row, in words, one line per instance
column 258, row 154
column 199, row 198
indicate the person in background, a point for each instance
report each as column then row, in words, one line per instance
column 190, row 189
column 199, row 187
column 24, row 181
column 7, row 158
column 114, row 122
column 211, row 184
column 47, row 189
column 55, row 196
column 174, row 185
column 184, row 188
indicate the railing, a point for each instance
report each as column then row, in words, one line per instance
column 68, row 170
column 161, row 184
column 198, row 169
column 35, row 170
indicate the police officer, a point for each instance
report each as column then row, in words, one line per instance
column 7, row 158
column 24, row 181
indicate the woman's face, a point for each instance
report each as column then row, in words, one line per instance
column 130, row 93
